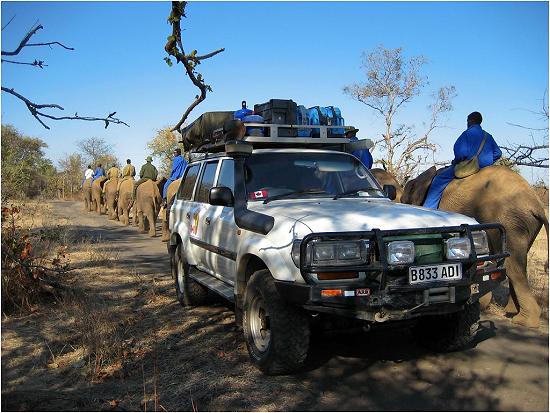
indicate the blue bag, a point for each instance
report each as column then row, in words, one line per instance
column 244, row 111
column 326, row 115
column 254, row 130
column 302, row 119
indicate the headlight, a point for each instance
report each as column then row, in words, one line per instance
column 458, row 248
column 481, row 243
column 400, row 252
column 332, row 253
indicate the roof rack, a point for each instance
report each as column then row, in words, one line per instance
column 274, row 140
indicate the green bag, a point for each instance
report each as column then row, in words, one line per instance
column 470, row 166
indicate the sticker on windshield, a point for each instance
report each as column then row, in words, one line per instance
column 258, row 194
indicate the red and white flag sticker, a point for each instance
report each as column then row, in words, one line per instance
column 258, row 194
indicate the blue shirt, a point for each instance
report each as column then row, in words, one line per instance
column 363, row 155
column 99, row 171
column 468, row 144
column 178, row 167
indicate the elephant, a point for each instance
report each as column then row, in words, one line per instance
column 111, row 198
column 170, row 194
column 496, row 194
column 97, row 196
column 147, row 205
column 87, row 194
column 125, row 200
column 385, row 178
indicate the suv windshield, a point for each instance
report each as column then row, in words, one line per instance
column 307, row 174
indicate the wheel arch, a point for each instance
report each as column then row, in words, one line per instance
column 247, row 265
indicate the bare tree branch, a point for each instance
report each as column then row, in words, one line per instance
column 8, row 23
column 174, row 47
column 50, row 44
column 34, row 109
column 23, row 42
column 524, row 155
column 38, row 63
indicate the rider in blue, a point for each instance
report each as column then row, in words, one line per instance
column 465, row 148
column 178, row 167
column 363, row 155
column 99, row 171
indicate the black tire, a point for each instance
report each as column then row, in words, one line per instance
column 188, row 291
column 450, row 332
column 276, row 332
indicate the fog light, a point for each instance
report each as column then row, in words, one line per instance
column 331, row 293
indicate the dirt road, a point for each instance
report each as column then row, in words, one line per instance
column 196, row 359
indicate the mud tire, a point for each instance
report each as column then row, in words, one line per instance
column 286, row 348
column 189, row 292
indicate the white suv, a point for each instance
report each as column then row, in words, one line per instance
column 291, row 234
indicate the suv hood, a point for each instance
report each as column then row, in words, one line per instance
column 352, row 214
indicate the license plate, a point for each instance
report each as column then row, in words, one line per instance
column 431, row 273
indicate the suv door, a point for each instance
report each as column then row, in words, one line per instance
column 201, row 218
column 223, row 231
column 180, row 213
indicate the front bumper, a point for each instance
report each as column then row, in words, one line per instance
column 385, row 294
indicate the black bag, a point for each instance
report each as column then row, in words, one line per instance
column 279, row 111
column 201, row 130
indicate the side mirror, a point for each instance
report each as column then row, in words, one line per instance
column 390, row 191
column 221, row 195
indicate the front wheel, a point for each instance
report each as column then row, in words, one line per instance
column 276, row 332
column 449, row 332
column 188, row 291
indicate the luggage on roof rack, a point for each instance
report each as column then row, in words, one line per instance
column 279, row 111
column 200, row 132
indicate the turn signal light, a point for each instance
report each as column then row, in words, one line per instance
column 331, row 293
column 323, row 276
column 495, row 275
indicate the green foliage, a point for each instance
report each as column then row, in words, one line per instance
column 162, row 146
column 25, row 170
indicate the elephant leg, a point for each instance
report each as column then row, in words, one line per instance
column 485, row 300
column 141, row 221
column 165, row 231
column 516, row 268
column 152, row 223
column 512, row 307
column 135, row 218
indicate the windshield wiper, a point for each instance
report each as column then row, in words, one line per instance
column 301, row 192
column 352, row 192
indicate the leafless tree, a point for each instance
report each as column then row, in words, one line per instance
column 535, row 154
column 39, row 110
column 174, row 48
column 392, row 81
column 96, row 150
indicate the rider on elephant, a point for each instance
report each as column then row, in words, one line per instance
column 466, row 147
column 363, row 155
column 99, row 171
column 128, row 172
column 88, row 173
column 148, row 171
column 112, row 174
column 178, row 168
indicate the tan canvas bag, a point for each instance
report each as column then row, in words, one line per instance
column 470, row 166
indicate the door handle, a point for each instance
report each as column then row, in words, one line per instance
column 188, row 216
column 207, row 221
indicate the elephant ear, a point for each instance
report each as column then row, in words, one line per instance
column 160, row 184
column 416, row 189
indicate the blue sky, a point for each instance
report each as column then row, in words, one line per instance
column 494, row 53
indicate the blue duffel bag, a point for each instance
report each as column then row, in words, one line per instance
column 328, row 116
column 254, row 130
column 302, row 119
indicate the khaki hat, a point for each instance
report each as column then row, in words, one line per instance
column 149, row 159
column 351, row 129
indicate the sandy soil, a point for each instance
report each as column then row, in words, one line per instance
column 152, row 354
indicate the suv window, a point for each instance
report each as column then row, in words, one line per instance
column 186, row 190
column 227, row 172
column 207, row 182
